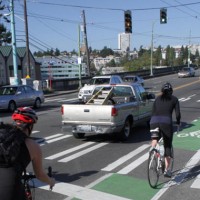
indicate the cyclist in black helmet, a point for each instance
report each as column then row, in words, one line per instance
column 161, row 121
column 11, row 187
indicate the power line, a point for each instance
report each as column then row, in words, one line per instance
column 116, row 9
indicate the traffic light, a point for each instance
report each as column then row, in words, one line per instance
column 163, row 16
column 128, row 21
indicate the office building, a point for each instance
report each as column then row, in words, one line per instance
column 124, row 41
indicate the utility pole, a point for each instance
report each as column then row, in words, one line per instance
column 86, row 43
column 151, row 73
column 189, row 50
column 14, row 49
column 79, row 57
column 28, row 74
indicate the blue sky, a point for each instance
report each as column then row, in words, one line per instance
column 54, row 24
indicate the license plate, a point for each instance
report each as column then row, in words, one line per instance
column 84, row 128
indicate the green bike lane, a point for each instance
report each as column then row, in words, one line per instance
column 134, row 187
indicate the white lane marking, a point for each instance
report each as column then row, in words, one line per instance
column 184, row 99
column 187, row 98
column 61, row 100
column 192, row 95
column 53, row 136
column 196, row 183
column 79, row 192
column 180, row 176
column 54, row 140
column 33, row 132
column 134, row 164
column 75, row 99
column 125, row 158
column 48, row 100
column 57, row 155
column 76, row 155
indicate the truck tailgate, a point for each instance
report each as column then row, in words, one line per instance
column 84, row 114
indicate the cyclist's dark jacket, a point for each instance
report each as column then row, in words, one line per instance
column 11, row 187
column 162, row 114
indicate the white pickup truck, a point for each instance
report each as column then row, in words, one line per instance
column 113, row 109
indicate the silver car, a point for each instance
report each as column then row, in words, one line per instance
column 186, row 72
column 134, row 79
column 12, row 96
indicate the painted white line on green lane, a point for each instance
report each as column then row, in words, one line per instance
column 180, row 176
column 79, row 192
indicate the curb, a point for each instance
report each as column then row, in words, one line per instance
column 57, row 93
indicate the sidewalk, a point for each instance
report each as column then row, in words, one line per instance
column 60, row 92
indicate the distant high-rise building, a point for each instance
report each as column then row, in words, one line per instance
column 124, row 41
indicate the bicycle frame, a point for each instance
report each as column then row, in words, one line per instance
column 28, row 177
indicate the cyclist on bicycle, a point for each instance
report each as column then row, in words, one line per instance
column 161, row 123
column 11, row 187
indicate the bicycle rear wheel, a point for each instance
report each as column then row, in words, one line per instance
column 152, row 170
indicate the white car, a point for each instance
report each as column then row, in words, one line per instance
column 98, row 80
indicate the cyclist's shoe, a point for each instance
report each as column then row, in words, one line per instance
column 167, row 173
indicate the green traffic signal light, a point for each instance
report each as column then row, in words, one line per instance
column 163, row 16
column 128, row 21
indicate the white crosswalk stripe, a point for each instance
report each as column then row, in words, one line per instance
column 76, row 155
column 69, row 151
column 52, row 138
column 196, row 183
column 125, row 158
column 134, row 164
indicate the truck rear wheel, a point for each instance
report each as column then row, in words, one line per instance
column 126, row 131
column 79, row 135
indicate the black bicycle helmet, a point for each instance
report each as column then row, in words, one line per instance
column 167, row 88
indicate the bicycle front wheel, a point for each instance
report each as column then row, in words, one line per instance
column 152, row 170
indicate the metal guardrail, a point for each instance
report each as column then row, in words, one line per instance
column 71, row 84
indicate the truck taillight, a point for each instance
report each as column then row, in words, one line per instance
column 62, row 110
column 114, row 112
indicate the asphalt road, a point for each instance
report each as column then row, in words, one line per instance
column 99, row 167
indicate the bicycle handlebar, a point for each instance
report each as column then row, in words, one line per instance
column 27, row 177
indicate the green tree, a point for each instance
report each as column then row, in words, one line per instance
column 111, row 63
column 5, row 36
column 158, row 56
column 106, row 52
column 57, row 52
